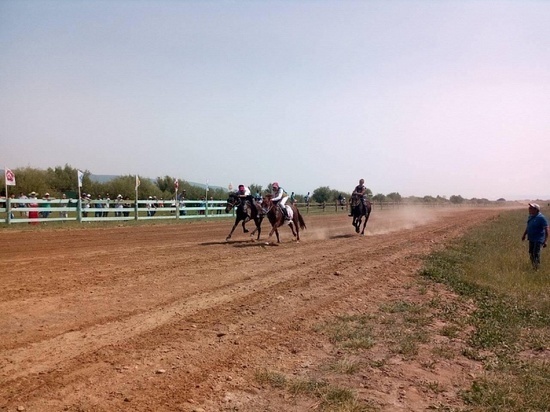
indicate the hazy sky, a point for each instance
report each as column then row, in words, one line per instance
column 416, row 97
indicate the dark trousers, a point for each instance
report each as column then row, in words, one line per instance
column 534, row 253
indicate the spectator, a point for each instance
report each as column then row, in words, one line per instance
column 181, row 204
column 86, row 204
column 150, row 206
column 33, row 213
column 536, row 232
column 106, row 205
column 13, row 205
column 23, row 204
column 98, row 205
column 127, row 206
column 119, row 206
column 46, row 204
column 64, row 203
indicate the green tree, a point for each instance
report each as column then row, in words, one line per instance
column 322, row 194
column 254, row 188
column 379, row 197
column 394, row 197
column 165, row 184
column 456, row 199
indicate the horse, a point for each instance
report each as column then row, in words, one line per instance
column 277, row 218
column 358, row 211
column 245, row 211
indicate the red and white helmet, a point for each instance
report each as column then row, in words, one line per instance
column 275, row 184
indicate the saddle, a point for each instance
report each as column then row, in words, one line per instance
column 289, row 213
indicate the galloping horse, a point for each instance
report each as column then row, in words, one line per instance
column 277, row 218
column 358, row 210
column 244, row 212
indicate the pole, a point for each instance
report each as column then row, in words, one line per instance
column 79, row 178
column 177, row 201
column 8, row 203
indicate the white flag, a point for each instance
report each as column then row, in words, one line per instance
column 80, row 177
column 10, row 177
column 137, row 182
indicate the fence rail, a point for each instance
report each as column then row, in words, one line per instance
column 35, row 211
column 40, row 210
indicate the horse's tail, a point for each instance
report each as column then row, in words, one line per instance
column 301, row 220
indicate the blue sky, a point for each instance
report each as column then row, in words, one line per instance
column 416, row 97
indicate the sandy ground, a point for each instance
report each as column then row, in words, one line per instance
column 170, row 317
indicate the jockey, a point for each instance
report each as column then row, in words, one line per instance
column 360, row 190
column 280, row 198
column 244, row 193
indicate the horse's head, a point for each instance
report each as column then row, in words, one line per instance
column 232, row 201
column 267, row 201
column 355, row 200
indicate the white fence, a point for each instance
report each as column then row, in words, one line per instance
column 35, row 211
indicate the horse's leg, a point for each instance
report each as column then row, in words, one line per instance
column 232, row 229
column 297, row 224
column 258, row 228
column 245, row 219
column 365, row 224
column 291, row 225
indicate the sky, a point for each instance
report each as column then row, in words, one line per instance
column 423, row 98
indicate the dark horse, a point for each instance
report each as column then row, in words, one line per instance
column 358, row 211
column 245, row 209
column 277, row 219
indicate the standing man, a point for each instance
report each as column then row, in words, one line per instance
column 536, row 232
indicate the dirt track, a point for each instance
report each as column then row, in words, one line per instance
column 169, row 317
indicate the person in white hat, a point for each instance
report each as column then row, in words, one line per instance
column 536, row 232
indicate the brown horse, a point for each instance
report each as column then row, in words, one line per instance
column 244, row 211
column 358, row 211
column 277, row 218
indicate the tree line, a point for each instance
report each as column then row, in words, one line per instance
column 63, row 180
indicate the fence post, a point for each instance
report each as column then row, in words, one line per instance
column 8, row 209
column 79, row 209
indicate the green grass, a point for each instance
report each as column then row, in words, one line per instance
column 330, row 397
column 491, row 267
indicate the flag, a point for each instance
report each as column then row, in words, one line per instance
column 80, row 176
column 176, row 184
column 137, row 182
column 10, row 177
column 207, row 185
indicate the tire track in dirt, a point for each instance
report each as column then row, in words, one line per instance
column 304, row 276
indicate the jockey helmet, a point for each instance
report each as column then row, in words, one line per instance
column 275, row 184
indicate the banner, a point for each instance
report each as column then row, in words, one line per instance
column 137, row 182
column 176, row 184
column 10, row 177
column 80, row 176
